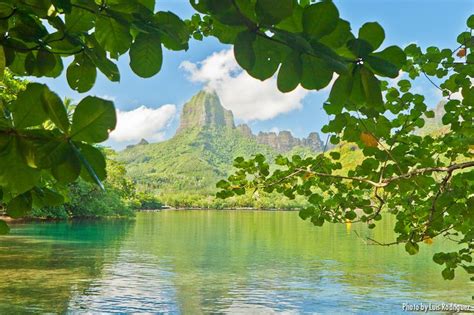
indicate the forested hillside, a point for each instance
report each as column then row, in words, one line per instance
column 202, row 151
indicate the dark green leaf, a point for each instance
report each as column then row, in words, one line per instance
column 372, row 33
column 20, row 205
column 28, row 109
column 271, row 12
column 371, row 87
column 146, row 55
column 320, row 19
column 93, row 119
column 69, row 170
column 112, row 35
column 55, row 109
column 81, row 73
column 316, row 74
column 411, row 248
column 290, row 73
column 341, row 90
column 243, row 49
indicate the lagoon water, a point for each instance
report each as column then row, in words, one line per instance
column 215, row 262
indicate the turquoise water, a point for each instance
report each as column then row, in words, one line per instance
column 215, row 262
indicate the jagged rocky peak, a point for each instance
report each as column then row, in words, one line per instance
column 313, row 142
column 245, row 130
column 205, row 110
column 284, row 141
column 142, row 142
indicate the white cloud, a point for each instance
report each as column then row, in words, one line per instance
column 143, row 122
column 248, row 98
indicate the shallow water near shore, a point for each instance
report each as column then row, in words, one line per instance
column 216, row 261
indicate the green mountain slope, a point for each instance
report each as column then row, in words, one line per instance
column 199, row 155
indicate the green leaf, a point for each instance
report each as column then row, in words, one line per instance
column 96, row 162
column 113, row 36
column 55, row 110
column 43, row 197
column 470, row 22
column 81, row 73
column 69, row 170
column 45, row 63
column 294, row 22
column 28, row 109
column 14, row 166
column 341, row 90
column 20, row 205
column 371, row 87
column 174, row 32
column 146, row 55
column 79, row 20
column 448, row 274
column 271, row 12
column 372, row 33
column 93, row 119
column 243, row 49
column 392, row 54
column 339, row 36
column 316, row 74
column 359, row 47
column 290, row 72
column 320, row 19
column 411, row 248
column 382, row 67
column 268, row 55
column 335, row 155
column 4, row 228
column 2, row 63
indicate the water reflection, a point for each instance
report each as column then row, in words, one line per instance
column 43, row 265
column 220, row 261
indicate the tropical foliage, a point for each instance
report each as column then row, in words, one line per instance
column 39, row 144
column 425, row 181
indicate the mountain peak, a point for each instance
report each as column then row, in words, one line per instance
column 205, row 110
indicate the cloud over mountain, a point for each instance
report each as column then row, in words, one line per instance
column 143, row 122
column 248, row 98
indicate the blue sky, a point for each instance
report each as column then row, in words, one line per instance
column 425, row 22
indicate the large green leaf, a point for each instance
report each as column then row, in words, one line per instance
column 392, row 54
column 93, row 119
column 55, row 109
column 112, row 35
column 14, row 166
column 359, row 47
column 271, row 12
column 174, row 32
column 341, row 90
column 268, row 55
column 339, row 36
column 81, row 73
column 316, row 74
column 290, row 73
column 243, row 49
column 382, row 67
column 67, row 171
column 28, row 109
column 371, row 87
column 43, row 197
column 96, row 162
column 372, row 33
column 320, row 19
column 20, row 205
column 146, row 55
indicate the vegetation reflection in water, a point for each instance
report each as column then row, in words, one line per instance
column 214, row 261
